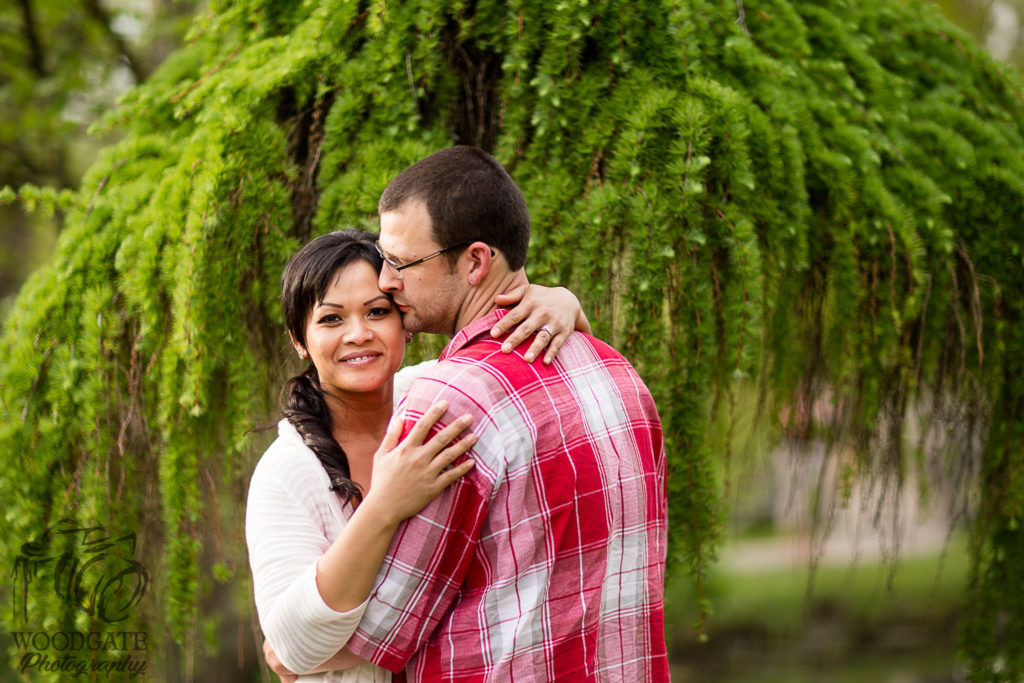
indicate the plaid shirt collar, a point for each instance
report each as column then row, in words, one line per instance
column 469, row 333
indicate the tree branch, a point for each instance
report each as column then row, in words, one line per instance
column 102, row 17
column 35, row 46
column 741, row 20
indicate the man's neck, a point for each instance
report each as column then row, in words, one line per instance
column 480, row 301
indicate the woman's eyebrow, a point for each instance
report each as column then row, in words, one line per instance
column 376, row 298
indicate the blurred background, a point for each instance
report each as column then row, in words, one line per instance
column 868, row 604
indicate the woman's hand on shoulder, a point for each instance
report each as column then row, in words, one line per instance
column 408, row 475
column 551, row 313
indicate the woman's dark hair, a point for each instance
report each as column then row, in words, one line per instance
column 304, row 284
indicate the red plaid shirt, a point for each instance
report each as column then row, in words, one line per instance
column 546, row 562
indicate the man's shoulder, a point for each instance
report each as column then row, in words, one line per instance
column 582, row 356
column 478, row 361
column 476, row 368
column 580, row 349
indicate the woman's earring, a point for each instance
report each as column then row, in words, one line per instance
column 408, row 337
column 302, row 354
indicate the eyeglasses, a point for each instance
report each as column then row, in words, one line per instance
column 398, row 268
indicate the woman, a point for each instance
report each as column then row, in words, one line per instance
column 316, row 528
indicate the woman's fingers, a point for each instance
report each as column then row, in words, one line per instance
column 508, row 322
column 417, row 442
column 549, row 314
column 553, row 347
column 445, row 471
column 546, row 339
column 530, row 313
column 532, row 325
column 444, row 437
column 423, row 425
column 391, row 436
column 510, row 298
column 449, row 476
column 454, row 452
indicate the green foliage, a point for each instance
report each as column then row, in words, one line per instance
column 61, row 63
column 823, row 197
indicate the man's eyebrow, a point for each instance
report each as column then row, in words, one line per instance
column 376, row 298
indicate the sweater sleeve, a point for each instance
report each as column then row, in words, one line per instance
column 407, row 375
column 286, row 532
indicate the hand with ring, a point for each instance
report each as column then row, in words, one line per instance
column 551, row 314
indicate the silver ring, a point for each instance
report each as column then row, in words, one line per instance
column 547, row 329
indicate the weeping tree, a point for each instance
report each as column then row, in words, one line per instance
column 60, row 62
column 817, row 200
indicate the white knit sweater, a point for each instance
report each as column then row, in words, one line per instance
column 291, row 519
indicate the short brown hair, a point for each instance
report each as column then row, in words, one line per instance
column 469, row 196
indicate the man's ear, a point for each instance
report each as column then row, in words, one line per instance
column 481, row 261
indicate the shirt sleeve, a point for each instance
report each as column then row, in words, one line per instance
column 431, row 553
column 285, row 533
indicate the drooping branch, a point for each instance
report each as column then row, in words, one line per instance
column 37, row 59
column 475, row 107
column 305, row 141
column 103, row 18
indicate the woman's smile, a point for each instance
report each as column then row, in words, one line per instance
column 361, row 357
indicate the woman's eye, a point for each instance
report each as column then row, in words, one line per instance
column 329, row 319
column 379, row 312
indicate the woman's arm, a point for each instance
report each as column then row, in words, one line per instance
column 309, row 605
column 290, row 523
column 406, row 476
column 536, row 308
column 344, row 659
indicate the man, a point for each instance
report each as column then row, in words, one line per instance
column 546, row 561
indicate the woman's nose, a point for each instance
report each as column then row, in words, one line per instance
column 358, row 332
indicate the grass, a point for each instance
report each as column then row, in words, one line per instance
column 856, row 622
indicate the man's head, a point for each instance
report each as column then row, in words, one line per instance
column 469, row 197
column 458, row 201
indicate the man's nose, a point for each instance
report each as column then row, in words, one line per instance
column 388, row 281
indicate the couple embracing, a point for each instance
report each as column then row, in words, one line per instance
column 510, row 522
